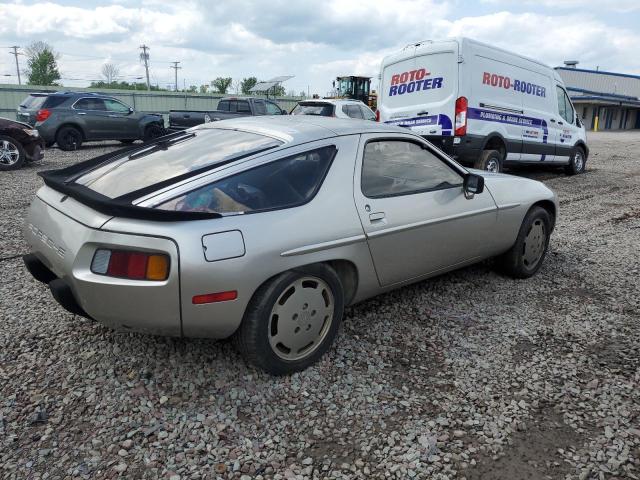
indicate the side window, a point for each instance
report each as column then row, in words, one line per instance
column 223, row 105
column 94, row 104
column 352, row 111
column 564, row 105
column 399, row 167
column 283, row 183
column 258, row 106
column 273, row 109
column 243, row 106
column 367, row 114
column 115, row 106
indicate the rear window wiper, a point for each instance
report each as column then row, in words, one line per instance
column 161, row 145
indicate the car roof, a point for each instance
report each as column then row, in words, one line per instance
column 295, row 129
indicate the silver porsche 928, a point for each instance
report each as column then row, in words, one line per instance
column 265, row 228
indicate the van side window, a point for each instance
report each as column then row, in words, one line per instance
column 397, row 167
column 223, row 106
column 564, row 105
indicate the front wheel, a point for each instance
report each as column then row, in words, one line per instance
column 578, row 162
column 152, row 132
column 292, row 320
column 490, row 160
column 526, row 255
column 12, row 155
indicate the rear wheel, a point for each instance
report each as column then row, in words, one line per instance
column 292, row 320
column 525, row 258
column 578, row 162
column 12, row 154
column 490, row 160
column 69, row 138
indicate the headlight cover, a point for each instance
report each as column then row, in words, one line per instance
column 31, row 131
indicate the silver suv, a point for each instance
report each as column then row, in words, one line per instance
column 71, row 118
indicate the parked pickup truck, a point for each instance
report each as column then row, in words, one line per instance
column 229, row 107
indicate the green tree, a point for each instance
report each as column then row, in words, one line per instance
column 204, row 88
column 42, row 64
column 192, row 89
column 247, row 84
column 123, row 86
column 277, row 91
column 222, row 84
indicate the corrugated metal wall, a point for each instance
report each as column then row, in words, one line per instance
column 600, row 82
column 158, row 102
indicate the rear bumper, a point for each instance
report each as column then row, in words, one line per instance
column 467, row 151
column 60, row 290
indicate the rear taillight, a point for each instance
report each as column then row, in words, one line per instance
column 43, row 114
column 377, row 115
column 461, row 116
column 129, row 264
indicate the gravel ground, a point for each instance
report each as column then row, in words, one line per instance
column 470, row 375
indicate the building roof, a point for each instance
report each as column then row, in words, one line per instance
column 618, row 86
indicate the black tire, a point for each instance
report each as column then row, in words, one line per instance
column 69, row 138
column 490, row 160
column 152, row 132
column 12, row 155
column 253, row 338
column 514, row 262
column 577, row 163
column 128, row 141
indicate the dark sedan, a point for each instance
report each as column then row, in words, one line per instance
column 19, row 143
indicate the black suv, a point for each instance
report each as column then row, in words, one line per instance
column 71, row 118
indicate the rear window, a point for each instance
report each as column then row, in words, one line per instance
column 283, row 183
column 33, row 101
column 178, row 156
column 317, row 108
column 54, row 101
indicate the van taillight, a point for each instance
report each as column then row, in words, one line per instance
column 43, row 114
column 377, row 115
column 461, row 116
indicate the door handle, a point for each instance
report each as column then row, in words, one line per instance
column 424, row 112
column 560, row 123
column 376, row 217
column 553, row 120
column 81, row 113
column 113, row 116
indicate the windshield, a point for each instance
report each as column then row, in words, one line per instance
column 172, row 158
column 321, row 109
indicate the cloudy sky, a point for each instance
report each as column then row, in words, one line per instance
column 313, row 40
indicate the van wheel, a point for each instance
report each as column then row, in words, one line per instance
column 578, row 162
column 292, row 320
column 69, row 138
column 490, row 160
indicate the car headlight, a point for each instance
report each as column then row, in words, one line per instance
column 32, row 132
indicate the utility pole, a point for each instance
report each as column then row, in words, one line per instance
column 15, row 54
column 175, row 69
column 144, row 56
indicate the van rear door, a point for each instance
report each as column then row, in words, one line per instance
column 419, row 90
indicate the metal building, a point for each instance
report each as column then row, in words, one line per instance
column 603, row 100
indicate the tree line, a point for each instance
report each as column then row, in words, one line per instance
column 42, row 69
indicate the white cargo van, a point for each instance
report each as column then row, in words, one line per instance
column 483, row 105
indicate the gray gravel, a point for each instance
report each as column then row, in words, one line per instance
column 471, row 375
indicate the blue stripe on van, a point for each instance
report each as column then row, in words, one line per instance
column 510, row 118
column 443, row 120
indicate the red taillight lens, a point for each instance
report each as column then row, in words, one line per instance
column 377, row 115
column 132, row 265
column 215, row 297
column 461, row 116
column 43, row 114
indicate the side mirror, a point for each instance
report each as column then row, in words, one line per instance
column 130, row 110
column 284, row 112
column 473, row 184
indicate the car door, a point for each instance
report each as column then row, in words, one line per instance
column 565, row 127
column 414, row 212
column 120, row 121
column 92, row 115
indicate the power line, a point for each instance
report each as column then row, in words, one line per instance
column 15, row 54
column 175, row 69
column 145, row 56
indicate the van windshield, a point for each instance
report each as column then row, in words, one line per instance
column 170, row 159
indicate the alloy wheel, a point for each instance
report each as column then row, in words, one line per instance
column 9, row 153
column 301, row 318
